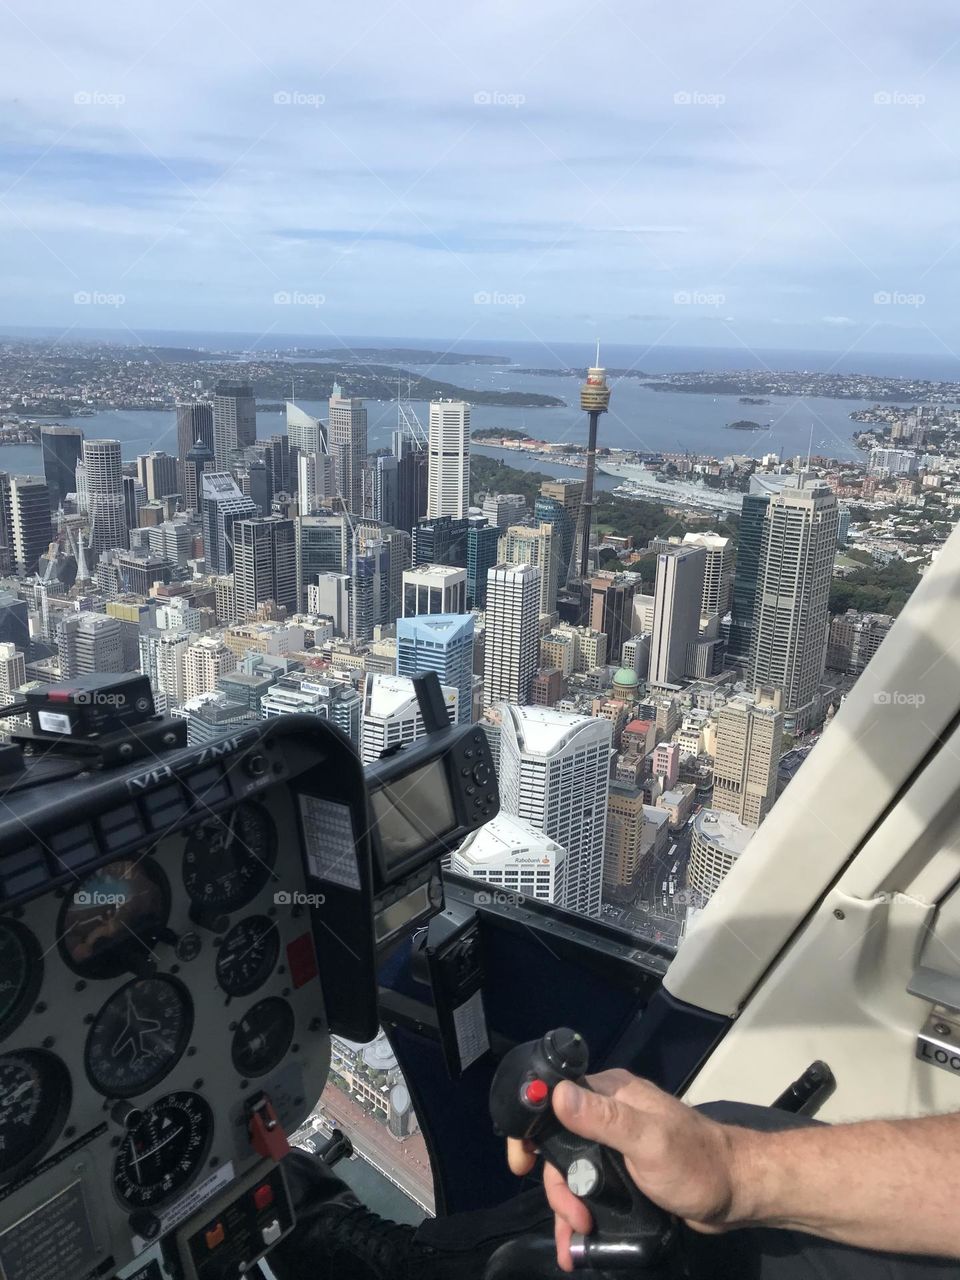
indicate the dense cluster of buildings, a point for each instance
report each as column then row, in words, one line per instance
column 253, row 578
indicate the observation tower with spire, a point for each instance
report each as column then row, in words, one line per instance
column 594, row 400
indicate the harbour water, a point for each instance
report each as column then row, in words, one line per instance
column 640, row 417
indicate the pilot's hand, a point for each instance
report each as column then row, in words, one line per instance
column 679, row 1158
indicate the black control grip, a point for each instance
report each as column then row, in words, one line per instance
column 520, row 1105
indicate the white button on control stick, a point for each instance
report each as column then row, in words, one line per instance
column 583, row 1176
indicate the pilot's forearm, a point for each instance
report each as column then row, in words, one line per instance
column 888, row 1185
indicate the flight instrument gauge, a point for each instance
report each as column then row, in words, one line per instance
column 162, row 1152
column 248, row 955
column 263, row 1037
column 35, row 1097
column 228, row 860
column 110, row 920
column 21, row 973
column 138, row 1036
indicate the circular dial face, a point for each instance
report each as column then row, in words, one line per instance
column 248, row 955
column 228, row 861
column 262, row 1039
column 138, row 1036
column 35, row 1097
column 113, row 916
column 162, row 1152
column 21, row 973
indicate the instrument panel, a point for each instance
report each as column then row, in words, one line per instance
column 142, row 1010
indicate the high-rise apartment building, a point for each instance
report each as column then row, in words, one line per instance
column 512, row 637
column 717, row 570
column 678, row 598
column 264, row 565
column 316, row 482
column 234, row 421
column 104, row 495
column 347, row 430
column 61, row 448
column 391, row 714
column 29, row 524
column 434, row 588
column 89, row 644
column 223, row 506
column 205, row 661
column 163, row 657
column 749, row 741
column 554, row 771
column 624, row 839
column 443, row 643
column 525, row 544
column 305, row 432
column 13, row 671
column 503, row 509
column 159, row 474
column 448, row 452
column 855, row 638
column 791, row 614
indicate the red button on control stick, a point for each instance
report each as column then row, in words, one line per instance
column 536, row 1092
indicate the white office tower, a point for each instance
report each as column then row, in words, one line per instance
column 434, row 588
column 206, row 660
column 316, row 482
column 555, row 772
column 89, row 644
column 329, row 597
column 512, row 634
column 539, row 545
column 798, row 543
column 747, row 756
column 448, row 460
column 234, row 422
column 304, row 431
column 163, row 658
column 717, row 572
column 511, row 855
column 677, row 596
column 391, row 714
column 347, row 428
column 503, row 509
column 441, row 642
column 83, row 501
column 13, row 671
column 104, row 495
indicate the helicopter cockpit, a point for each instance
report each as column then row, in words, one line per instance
column 182, row 930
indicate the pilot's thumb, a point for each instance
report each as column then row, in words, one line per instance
column 592, row 1115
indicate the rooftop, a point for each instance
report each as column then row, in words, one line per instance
column 507, row 836
column 723, row 830
column 541, row 731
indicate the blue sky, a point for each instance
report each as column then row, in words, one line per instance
column 773, row 173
